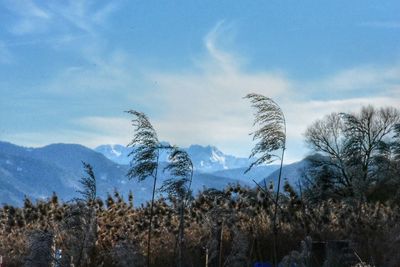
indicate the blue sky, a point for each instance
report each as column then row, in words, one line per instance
column 68, row 69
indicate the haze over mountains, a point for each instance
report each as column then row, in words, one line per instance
column 38, row 172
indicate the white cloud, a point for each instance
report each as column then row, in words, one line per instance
column 362, row 78
column 302, row 114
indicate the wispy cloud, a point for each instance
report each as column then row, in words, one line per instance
column 84, row 15
column 227, row 62
column 29, row 17
column 112, row 72
column 58, row 17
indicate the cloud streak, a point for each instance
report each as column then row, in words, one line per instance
column 58, row 17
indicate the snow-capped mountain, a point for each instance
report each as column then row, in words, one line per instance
column 211, row 159
column 205, row 159
column 38, row 172
column 120, row 154
column 116, row 153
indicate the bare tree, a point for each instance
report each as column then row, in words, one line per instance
column 365, row 132
column 350, row 143
column 271, row 137
column 387, row 170
column 327, row 136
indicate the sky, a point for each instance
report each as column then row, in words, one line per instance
column 69, row 69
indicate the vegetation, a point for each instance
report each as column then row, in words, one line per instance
column 346, row 213
column 357, row 153
column 272, row 138
column 145, row 159
column 181, row 169
column 234, row 226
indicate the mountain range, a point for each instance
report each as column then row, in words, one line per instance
column 206, row 159
column 38, row 172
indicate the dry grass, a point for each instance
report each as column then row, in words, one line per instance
column 239, row 215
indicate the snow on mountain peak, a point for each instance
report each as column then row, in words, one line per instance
column 204, row 158
column 218, row 157
column 115, row 151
